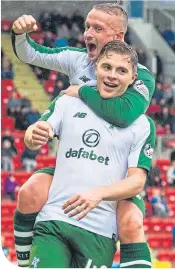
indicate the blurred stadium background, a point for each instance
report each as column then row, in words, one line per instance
column 27, row 90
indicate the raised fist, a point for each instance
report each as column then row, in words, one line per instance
column 24, row 24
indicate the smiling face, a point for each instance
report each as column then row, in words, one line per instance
column 114, row 74
column 101, row 28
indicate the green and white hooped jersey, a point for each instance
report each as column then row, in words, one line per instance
column 92, row 153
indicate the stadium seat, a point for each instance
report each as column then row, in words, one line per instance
column 163, row 164
column 21, row 176
column 8, row 208
column 44, row 161
column 7, row 224
column 6, row 25
column 168, row 224
column 19, row 144
column 157, row 241
column 36, row 36
column 53, row 75
column 156, row 225
column 8, row 123
column 49, row 86
column 17, row 162
column 172, row 210
column 12, row 255
column 7, row 85
column 154, row 241
column 9, row 240
column 163, row 255
column 44, row 149
column 147, row 225
column 4, row 174
column 153, row 109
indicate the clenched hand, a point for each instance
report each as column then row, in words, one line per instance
column 24, row 24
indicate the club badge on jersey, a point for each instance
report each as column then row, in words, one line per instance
column 140, row 87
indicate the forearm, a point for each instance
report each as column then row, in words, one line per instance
column 125, row 188
column 32, row 53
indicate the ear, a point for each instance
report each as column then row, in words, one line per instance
column 119, row 36
column 134, row 77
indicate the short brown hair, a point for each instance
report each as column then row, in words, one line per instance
column 114, row 9
column 120, row 47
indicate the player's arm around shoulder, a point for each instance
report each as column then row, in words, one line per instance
column 124, row 110
column 38, row 134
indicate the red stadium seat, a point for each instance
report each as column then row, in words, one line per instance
column 6, row 25
column 9, row 240
column 153, row 109
column 154, row 241
column 36, row 36
column 19, row 144
column 45, row 161
column 44, row 149
column 8, row 123
column 156, row 225
column 160, row 241
column 163, row 255
column 53, row 75
column 17, row 162
column 7, row 85
column 49, row 86
column 12, row 255
column 147, row 225
column 172, row 210
column 21, row 176
column 168, row 224
column 167, row 241
column 163, row 164
column 7, row 224
column 8, row 208
column 4, row 174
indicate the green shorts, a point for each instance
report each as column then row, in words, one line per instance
column 57, row 244
column 137, row 200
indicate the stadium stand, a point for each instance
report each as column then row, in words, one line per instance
column 158, row 229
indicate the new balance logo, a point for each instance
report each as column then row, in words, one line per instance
column 84, row 79
column 80, row 115
column 111, row 126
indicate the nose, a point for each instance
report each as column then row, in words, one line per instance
column 89, row 34
column 112, row 76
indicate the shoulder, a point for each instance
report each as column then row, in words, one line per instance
column 144, row 71
column 143, row 125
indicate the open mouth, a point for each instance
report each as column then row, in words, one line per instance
column 110, row 85
column 91, row 47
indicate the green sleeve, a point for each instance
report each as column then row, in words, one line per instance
column 122, row 111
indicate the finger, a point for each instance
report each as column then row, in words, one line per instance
column 38, row 137
column 22, row 23
column 17, row 26
column 84, row 213
column 70, row 201
column 43, row 127
column 78, row 210
column 74, row 205
column 51, row 134
column 28, row 22
column 40, row 132
column 37, row 142
column 30, row 19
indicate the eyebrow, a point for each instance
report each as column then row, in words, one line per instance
column 117, row 67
